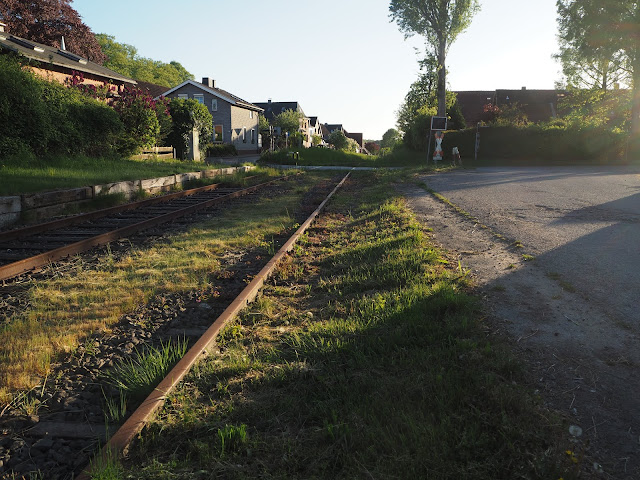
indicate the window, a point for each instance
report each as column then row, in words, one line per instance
column 244, row 134
column 214, row 105
column 253, row 135
column 217, row 133
column 250, row 113
column 198, row 97
column 183, row 96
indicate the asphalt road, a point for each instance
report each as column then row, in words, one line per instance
column 580, row 222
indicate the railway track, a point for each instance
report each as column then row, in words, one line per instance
column 58, row 440
column 30, row 248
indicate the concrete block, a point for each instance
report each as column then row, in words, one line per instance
column 128, row 188
column 160, row 184
column 211, row 173
column 187, row 177
column 10, row 205
column 44, row 199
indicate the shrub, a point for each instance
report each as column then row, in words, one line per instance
column 221, row 150
column 41, row 117
column 552, row 143
column 187, row 115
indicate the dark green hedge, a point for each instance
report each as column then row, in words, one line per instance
column 41, row 117
column 221, row 150
column 535, row 144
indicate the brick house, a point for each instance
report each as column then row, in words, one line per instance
column 58, row 64
column 235, row 121
column 538, row 105
column 272, row 109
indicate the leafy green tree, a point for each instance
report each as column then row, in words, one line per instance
column 187, row 115
column 588, row 58
column 390, row 138
column 124, row 59
column 316, row 140
column 608, row 27
column 289, row 121
column 439, row 22
column 339, row 140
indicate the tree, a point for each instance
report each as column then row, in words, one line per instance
column 422, row 94
column 47, row 21
column 390, row 138
column 289, row 121
column 187, row 115
column 124, row 59
column 440, row 22
column 611, row 26
column 588, row 59
column 339, row 140
column 372, row 147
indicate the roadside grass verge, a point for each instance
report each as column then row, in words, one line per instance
column 25, row 174
column 90, row 296
column 328, row 157
column 363, row 358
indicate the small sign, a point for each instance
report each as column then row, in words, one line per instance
column 438, row 123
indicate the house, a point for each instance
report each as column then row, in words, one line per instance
column 59, row 64
column 538, row 105
column 235, row 121
column 358, row 137
column 272, row 109
column 328, row 129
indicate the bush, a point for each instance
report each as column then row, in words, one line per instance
column 41, row 117
column 221, row 150
column 187, row 115
column 553, row 143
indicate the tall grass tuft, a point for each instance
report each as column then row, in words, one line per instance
column 138, row 376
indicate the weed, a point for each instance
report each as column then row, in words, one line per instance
column 231, row 438
column 116, row 408
column 138, row 375
column 528, row 258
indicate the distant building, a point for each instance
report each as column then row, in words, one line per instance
column 538, row 105
column 273, row 109
column 58, row 64
column 235, row 121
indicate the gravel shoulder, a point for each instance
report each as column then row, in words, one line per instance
column 582, row 359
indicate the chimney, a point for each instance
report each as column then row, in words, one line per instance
column 269, row 100
column 524, row 88
column 2, row 27
column 62, row 45
column 209, row 82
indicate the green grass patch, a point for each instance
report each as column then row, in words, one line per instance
column 91, row 298
column 374, row 365
column 327, row 157
column 29, row 174
column 137, row 375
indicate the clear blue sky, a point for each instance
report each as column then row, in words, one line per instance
column 341, row 59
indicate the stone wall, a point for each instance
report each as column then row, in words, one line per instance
column 45, row 205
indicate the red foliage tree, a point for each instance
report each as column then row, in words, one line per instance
column 46, row 21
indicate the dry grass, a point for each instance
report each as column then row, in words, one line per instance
column 66, row 310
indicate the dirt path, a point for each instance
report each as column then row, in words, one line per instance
column 583, row 363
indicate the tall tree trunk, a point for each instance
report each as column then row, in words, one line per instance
column 442, row 79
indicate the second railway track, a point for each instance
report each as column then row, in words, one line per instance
column 27, row 249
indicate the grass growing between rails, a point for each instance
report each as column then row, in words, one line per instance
column 89, row 298
column 28, row 174
column 327, row 157
column 363, row 358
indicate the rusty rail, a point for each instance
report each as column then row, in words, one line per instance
column 22, row 266
column 85, row 217
column 119, row 443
